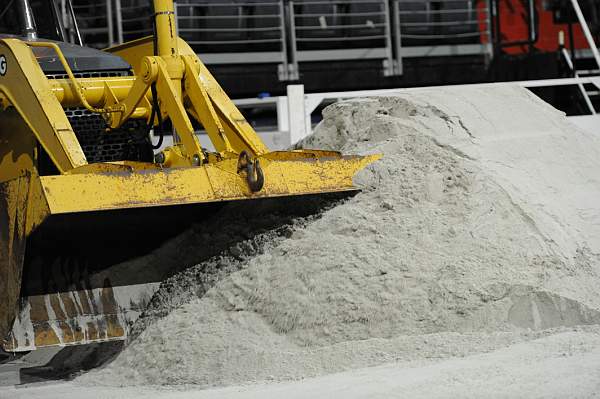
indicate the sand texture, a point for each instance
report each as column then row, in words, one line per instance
column 479, row 229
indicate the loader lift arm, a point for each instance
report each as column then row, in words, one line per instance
column 184, row 87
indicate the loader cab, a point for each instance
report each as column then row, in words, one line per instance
column 54, row 20
column 38, row 19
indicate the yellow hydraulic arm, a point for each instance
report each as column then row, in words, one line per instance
column 183, row 84
column 184, row 87
column 25, row 87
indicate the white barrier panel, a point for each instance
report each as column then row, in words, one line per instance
column 294, row 110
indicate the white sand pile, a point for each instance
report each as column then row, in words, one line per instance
column 480, row 227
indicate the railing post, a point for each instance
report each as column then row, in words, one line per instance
column 119, row 16
column 389, row 69
column 109, row 23
column 488, row 29
column 398, row 38
column 296, row 113
column 283, row 120
column 293, row 73
column 284, row 67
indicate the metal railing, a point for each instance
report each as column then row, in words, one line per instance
column 291, row 32
column 440, row 28
column 94, row 21
column 133, row 19
column 340, row 30
column 233, row 32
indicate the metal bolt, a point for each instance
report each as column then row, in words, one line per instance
column 159, row 158
column 196, row 160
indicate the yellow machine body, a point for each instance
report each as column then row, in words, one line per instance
column 32, row 118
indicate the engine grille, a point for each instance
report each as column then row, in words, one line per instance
column 101, row 144
column 105, row 74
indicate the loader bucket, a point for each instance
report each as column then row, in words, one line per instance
column 81, row 254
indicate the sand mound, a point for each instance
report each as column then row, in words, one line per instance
column 463, row 240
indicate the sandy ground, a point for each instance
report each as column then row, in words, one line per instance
column 474, row 222
column 565, row 364
column 469, row 266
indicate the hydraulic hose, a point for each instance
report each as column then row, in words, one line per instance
column 155, row 107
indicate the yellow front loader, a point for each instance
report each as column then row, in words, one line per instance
column 63, row 191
